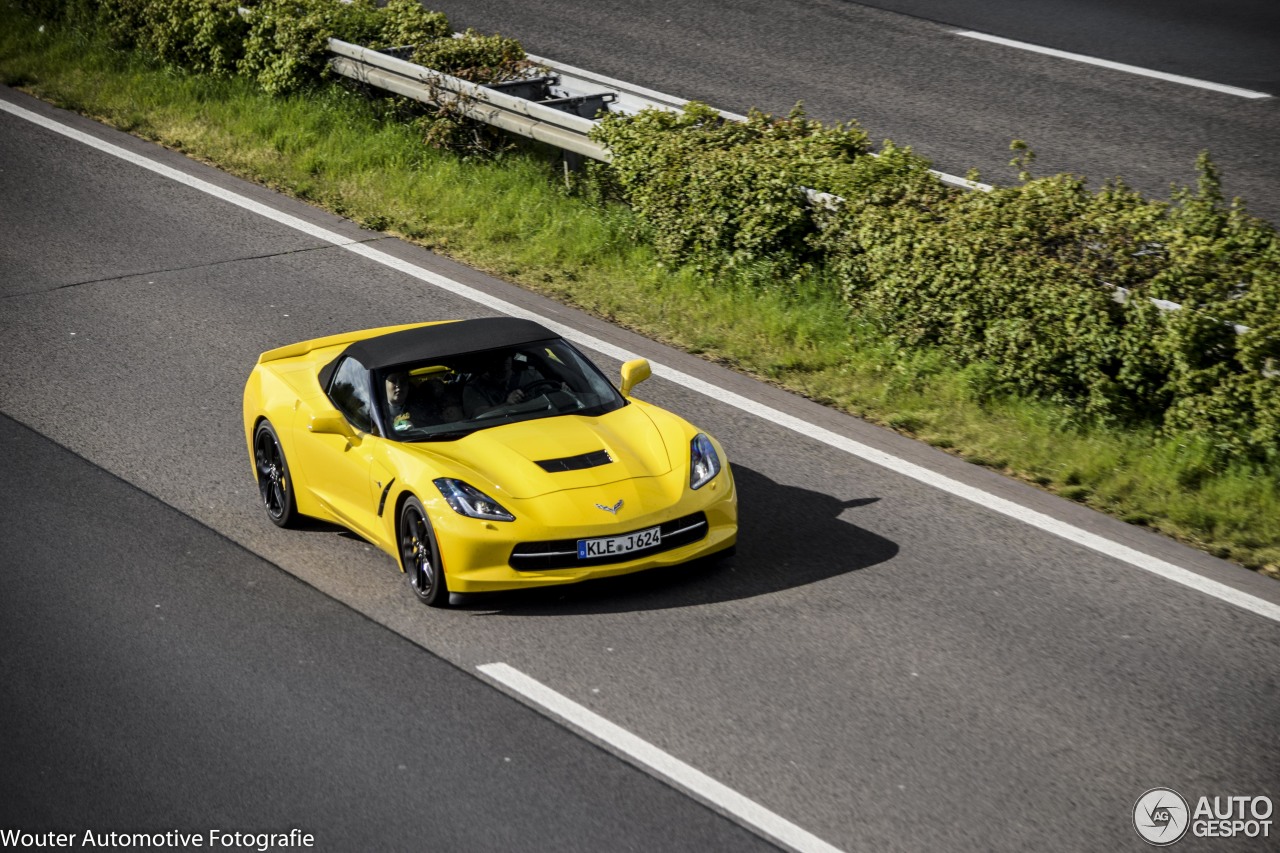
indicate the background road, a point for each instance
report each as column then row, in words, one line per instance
column 1233, row 42
column 886, row 665
column 897, row 67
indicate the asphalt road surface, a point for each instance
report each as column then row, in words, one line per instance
column 1236, row 43
column 159, row 677
column 886, row 664
column 898, row 68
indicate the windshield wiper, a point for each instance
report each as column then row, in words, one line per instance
column 449, row 435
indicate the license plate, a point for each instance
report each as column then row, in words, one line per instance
column 610, row 546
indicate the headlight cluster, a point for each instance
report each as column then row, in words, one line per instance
column 470, row 501
column 704, row 463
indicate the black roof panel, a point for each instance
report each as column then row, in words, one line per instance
column 425, row 343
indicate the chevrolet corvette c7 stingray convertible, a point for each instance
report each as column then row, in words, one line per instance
column 483, row 455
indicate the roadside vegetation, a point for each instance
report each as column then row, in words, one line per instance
column 986, row 324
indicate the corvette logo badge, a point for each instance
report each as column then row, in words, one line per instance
column 611, row 509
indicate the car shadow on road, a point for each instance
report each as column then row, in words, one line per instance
column 787, row 537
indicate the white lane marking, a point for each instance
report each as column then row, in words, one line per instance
column 1116, row 66
column 1044, row 522
column 773, row 826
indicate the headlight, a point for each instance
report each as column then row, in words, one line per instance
column 704, row 464
column 470, row 501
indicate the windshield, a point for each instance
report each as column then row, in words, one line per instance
column 448, row 398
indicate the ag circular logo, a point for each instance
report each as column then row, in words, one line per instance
column 1161, row 816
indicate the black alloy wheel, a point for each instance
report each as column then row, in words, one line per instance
column 274, row 484
column 420, row 556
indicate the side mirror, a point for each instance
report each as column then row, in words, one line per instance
column 633, row 373
column 331, row 424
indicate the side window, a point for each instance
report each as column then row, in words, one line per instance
column 349, row 392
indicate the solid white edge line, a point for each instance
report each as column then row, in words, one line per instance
column 1115, row 66
column 771, row 825
column 1008, row 508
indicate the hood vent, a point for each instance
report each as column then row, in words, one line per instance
column 576, row 463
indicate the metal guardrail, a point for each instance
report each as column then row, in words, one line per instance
column 541, row 121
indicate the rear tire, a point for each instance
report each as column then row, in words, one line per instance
column 420, row 556
column 275, row 486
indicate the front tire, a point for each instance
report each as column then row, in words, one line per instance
column 275, row 486
column 420, row 556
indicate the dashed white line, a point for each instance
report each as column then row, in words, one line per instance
column 1042, row 521
column 690, row 779
column 1115, row 66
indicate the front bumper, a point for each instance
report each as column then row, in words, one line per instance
column 478, row 555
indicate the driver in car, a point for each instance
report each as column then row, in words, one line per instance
column 491, row 388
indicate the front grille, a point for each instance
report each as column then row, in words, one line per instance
column 563, row 553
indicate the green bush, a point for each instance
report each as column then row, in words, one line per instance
column 712, row 192
column 1046, row 285
column 287, row 47
column 204, row 36
column 122, row 21
column 1224, row 266
column 1050, row 286
column 479, row 58
column 1017, row 278
column 406, row 22
column 54, row 10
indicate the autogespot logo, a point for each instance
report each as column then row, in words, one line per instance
column 1161, row 817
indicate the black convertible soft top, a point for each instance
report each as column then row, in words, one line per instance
column 425, row 343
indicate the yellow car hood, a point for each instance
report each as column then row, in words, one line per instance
column 507, row 456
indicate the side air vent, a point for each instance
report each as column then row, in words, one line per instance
column 577, row 463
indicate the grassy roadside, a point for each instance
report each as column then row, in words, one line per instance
column 511, row 217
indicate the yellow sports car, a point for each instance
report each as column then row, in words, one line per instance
column 483, row 455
